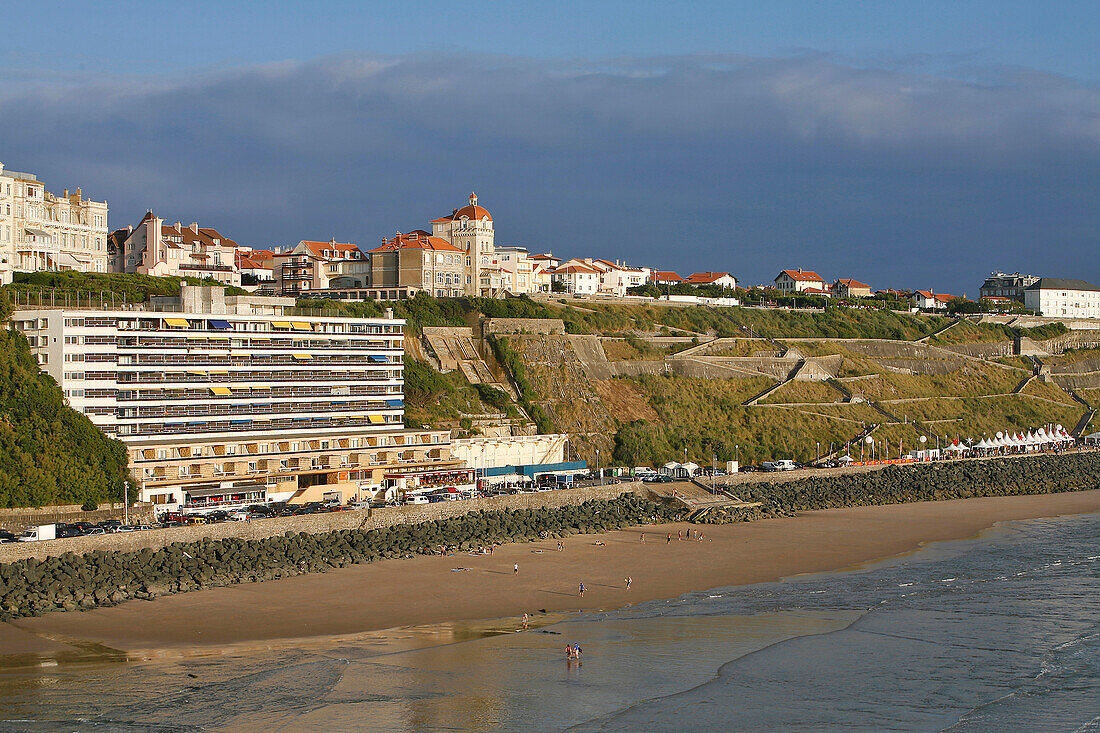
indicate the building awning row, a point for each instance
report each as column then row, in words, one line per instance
column 223, row 391
column 377, row 359
column 180, row 322
column 219, row 491
column 376, row 419
column 223, row 325
column 398, row 404
column 303, row 357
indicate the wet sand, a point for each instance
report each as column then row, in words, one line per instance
column 427, row 590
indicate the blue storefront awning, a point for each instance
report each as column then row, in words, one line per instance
column 223, row 325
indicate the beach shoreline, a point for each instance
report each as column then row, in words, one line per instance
column 484, row 590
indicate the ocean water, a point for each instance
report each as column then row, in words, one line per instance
column 999, row 633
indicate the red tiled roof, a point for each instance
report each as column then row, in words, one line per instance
column 802, row 275
column 470, row 211
column 941, row 297
column 852, row 283
column 344, row 248
column 666, row 276
column 417, row 240
column 204, row 236
column 577, row 268
column 705, row 278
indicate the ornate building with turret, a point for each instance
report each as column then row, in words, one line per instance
column 470, row 229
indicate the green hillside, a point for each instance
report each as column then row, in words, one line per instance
column 49, row 453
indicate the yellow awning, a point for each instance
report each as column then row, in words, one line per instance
column 239, row 387
column 240, row 353
column 177, row 322
column 280, row 324
column 219, row 371
column 301, row 326
column 376, row 419
column 303, row 357
column 197, row 373
column 218, row 338
column 220, row 390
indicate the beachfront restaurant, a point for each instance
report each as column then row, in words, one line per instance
column 208, row 498
column 459, row 478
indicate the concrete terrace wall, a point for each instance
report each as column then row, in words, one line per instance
column 542, row 326
column 312, row 523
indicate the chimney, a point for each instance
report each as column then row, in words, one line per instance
column 179, row 226
column 66, row 193
column 78, row 193
column 388, row 313
column 195, row 227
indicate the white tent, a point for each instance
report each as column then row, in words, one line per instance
column 849, row 459
column 1092, row 439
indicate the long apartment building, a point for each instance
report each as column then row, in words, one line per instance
column 225, row 401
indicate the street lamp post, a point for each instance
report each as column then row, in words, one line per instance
column 598, row 471
column 818, row 452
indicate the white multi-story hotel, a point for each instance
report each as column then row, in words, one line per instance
column 41, row 231
column 1057, row 296
column 226, row 401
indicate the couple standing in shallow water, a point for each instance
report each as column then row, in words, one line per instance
column 573, row 652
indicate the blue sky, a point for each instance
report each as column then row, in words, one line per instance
column 906, row 144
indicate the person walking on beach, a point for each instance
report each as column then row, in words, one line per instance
column 629, row 580
column 679, row 536
column 642, row 540
column 669, row 540
column 582, row 590
column 515, row 569
column 525, row 619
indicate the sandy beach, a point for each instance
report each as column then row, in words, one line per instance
column 426, row 590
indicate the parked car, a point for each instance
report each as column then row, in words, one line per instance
column 6, row 536
column 141, row 527
column 95, row 531
column 238, row 516
column 124, row 528
column 783, row 465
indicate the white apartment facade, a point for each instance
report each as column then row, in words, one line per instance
column 40, row 231
column 156, row 247
column 520, row 272
column 578, row 279
column 1058, row 297
column 226, row 401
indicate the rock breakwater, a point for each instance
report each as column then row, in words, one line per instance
column 897, row 484
column 31, row 587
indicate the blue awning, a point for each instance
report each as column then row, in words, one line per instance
column 239, row 422
column 378, row 359
column 223, row 325
column 396, row 403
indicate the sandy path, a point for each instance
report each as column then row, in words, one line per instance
column 426, row 590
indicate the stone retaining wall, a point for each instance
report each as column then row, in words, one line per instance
column 16, row 520
column 312, row 523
